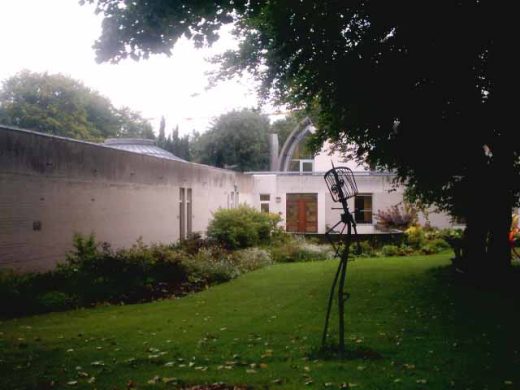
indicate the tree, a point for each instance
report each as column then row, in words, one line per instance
column 60, row 105
column 179, row 146
column 133, row 125
column 162, row 128
column 424, row 93
column 237, row 140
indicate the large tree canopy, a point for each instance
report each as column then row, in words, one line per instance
column 60, row 105
column 422, row 89
column 237, row 140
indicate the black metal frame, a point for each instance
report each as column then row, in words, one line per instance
column 342, row 186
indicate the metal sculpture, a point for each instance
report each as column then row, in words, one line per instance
column 342, row 186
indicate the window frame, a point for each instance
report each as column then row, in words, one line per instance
column 364, row 210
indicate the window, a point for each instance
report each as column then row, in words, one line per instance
column 264, row 202
column 231, row 200
column 189, row 209
column 306, row 165
column 363, row 208
column 182, row 213
column 185, row 212
column 302, row 158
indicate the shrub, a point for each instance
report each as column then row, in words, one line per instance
column 399, row 217
column 415, row 236
column 390, row 250
column 192, row 244
column 56, row 301
column 93, row 273
column 242, row 227
column 251, row 259
column 297, row 248
column 434, row 246
column 208, row 267
column 366, row 249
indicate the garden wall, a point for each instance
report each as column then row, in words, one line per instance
column 53, row 187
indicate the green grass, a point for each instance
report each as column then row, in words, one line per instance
column 262, row 330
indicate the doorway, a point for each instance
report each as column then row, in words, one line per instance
column 302, row 213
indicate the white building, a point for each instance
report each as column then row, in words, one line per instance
column 295, row 188
column 53, row 187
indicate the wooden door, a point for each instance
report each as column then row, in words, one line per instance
column 302, row 213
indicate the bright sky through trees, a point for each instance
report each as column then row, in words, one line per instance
column 57, row 36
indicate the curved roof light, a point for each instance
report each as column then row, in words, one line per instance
column 141, row 146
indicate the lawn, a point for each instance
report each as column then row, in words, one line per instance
column 413, row 327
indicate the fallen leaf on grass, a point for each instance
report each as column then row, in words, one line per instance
column 154, row 380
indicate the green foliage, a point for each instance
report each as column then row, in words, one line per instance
column 251, row 259
column 210, row 266
column 133, row 125
column 297, row 249
column 434, row 246
column 242, row 227
column 415, row 236
column 60, row 105
column 237, row 140
column 390, row 250
column 56, row 301
column 366, row 249
column 94, row 273
column 179, row 146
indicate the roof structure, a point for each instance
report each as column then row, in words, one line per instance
column 141, row 146
column 304, row 128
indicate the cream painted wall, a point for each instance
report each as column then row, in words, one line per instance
column 69, row 187
column 380, row 186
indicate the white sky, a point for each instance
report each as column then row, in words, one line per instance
column 57, row 36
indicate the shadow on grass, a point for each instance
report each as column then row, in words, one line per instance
column 480, row 323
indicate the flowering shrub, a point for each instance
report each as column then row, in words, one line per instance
column 398, row 217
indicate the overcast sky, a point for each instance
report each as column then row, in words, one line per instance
column 57, row 36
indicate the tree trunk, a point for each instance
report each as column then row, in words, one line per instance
column 486, row 250
column 501, row 208
column 474, row 248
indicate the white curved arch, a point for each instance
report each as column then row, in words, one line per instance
column 304, row 128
